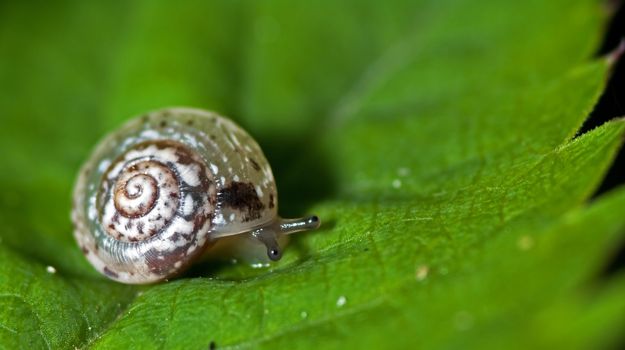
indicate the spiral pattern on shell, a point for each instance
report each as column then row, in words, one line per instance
column 140, row 194
column 156, row 193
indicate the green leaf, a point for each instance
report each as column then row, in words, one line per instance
column 435, row 141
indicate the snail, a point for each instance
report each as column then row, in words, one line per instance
column 158, row 192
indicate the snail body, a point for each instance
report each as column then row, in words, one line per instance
column 156, row 193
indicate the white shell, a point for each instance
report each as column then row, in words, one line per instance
column 158, row 191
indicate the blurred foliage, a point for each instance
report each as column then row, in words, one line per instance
column 433, row 138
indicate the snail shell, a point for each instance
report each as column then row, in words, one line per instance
column 161, row 189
